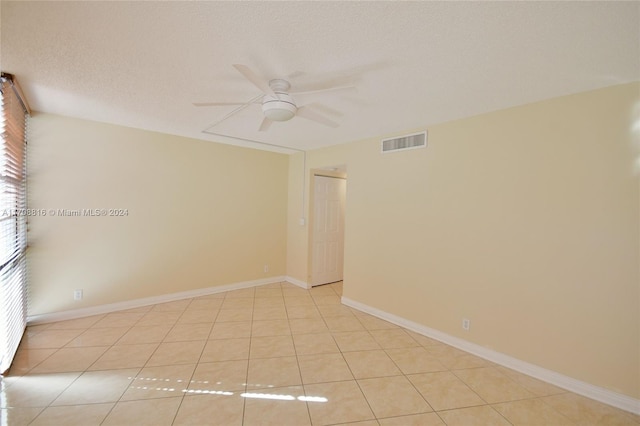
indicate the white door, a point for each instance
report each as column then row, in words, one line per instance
column 328, row 230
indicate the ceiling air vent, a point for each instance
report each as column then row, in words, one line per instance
column 402, row 143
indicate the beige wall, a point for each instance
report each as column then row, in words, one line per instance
column 526, row 221
column 200, row 214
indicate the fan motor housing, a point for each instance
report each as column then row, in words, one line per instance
column 280, row 107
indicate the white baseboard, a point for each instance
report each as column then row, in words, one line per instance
column 297, row 282
column 136, row 303
column 606, row 396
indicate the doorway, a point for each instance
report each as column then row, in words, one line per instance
column 327, row 227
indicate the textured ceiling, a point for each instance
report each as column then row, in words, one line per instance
column 143, row 64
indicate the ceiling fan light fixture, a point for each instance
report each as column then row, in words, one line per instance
column 280, row 108
column 280, row 114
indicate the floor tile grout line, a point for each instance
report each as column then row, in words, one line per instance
column 66, row 388
column 468, row 385
column 188, row 384
column 491, row 404
column 329, row 331
column 440, row 417
column 498, row 368
column 500, row 414
column 53, row 400
column 115, row 403
column 351, row 371
column 543, row 399
column 297, row 359
column 33, row 367
column 150, row 356
column 290, row 335
column 80, row 375
column 404, row 375
column 452, row 371
column 37, row 415
column 145, row 365
column 295, row 350
column 246, row 379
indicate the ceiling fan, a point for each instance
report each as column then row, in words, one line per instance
column 277, row 102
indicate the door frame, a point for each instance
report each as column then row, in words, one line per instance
column 338, row 172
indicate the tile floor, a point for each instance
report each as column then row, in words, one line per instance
column 275, row 354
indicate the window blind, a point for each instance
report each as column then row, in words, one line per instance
column 13, row 216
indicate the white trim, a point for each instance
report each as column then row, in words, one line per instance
column 297, row 282
column 598, row 393
column 145, row 301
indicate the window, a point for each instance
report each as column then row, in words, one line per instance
column 13, row 215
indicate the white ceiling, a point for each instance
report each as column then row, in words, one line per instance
column 143, row 64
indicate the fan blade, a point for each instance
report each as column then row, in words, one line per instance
column 310, row 114
column 206, row 104
column 266, row 123
column 323, row 109
column 257, row 81
column 322, row 94
column 329, row 89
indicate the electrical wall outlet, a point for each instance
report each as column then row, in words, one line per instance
column 466, row 324
column 77, row 294
column 266, row 268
